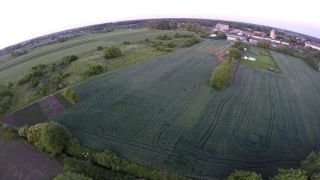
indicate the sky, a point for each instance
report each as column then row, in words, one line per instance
column 26, row 19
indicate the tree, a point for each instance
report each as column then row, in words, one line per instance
column 221, row 35
column 41, row 89
column 189, row 26
column 221, row 76
column 71, row 176
column 264, row 43
column 244, row 175
column 315, row 176
column 54, row 137
column 291, row 174
column 234, row 53
column 99, row 48
column 71, row 95
column 312, row 163
column 35, row 81
column 112, row 52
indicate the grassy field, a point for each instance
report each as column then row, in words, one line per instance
column 134, row 53
column 77, row 46
column 164, row 113
column 263, row 61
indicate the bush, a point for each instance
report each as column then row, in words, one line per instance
column 315, row 176
column 7, row 131
column 112, row 52
column 35, row 81
column 221, row 76
column 71, row 95
column 126, row 42
column 312, row 164
column 54, row 137
column 34, row 134
column 94, row 70
column 99, row 48
column 168, row 49
column 61, row 39
column 234, row 53
column 19, row 52
column 70, row 176
column 163, row 37
column 291, row 174
column 190, row 42
column 23, row 131
column 221, row 35
column 68, row 59
column 39, row 66
column 41, row 89
column 25, row 79
column 244, row 175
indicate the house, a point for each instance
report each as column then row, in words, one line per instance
column 273, row 34
column 222, row 27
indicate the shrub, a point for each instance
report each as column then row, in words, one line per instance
column 99, row 48
column 126, row 42
column 41, row 89
column 39, row 66
column 7, row 131
column 94, row 70
column 221, row 76
column 168, row 50
column 170, row 44
column 221, row 35
column 190, row 42
column 244, row 175
column 54, row 137
column 292, row 174
column 234, row 53
column 35, row 81
column 68, row 59
column 70, row 176
column 71, row 95
column 23, row 131
column 61, row 39
column 34, row 134
column 18, row 52
column 163, row 37
column 25, row 79
column 315, row 176
column 312, row 163
column 112, row 52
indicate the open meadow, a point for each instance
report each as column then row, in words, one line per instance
column 164, row 113
column 48, row 54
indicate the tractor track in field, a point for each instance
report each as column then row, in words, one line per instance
column 215, row 119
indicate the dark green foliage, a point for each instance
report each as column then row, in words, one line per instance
column 33, row 135
column 54, row 137
column 221, row 35
column 68, row 59
column 35, row 81
column 221, row 76
column 5, row 99
column 94, row 70
column 126, row 42
column 23, row 131
column 26, row 78
column 19, row 52
column 61, row 39
column 57, row 81
column 99, row 48
column 91, row 170
column 163, row 37
column 312, row 164
column 244, row 175
column 315, row 176
column 195, row 27
column 41, row 89
column 147, row 40
column 39, row 66
column 190, row 42
column 264, row 43
column 234, row 53
column 71, row 95
column 75, row 149
column 112, row 52
column 53, row 67
column 71, row 176
column 177, row 35
column 9, row 132
column 168, row 50
column 239, row 45
column 9, row 85
column 291, row 174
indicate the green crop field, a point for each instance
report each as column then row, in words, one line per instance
column 76, row 46
column 163, row 113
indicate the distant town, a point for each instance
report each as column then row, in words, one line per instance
column 245, row 34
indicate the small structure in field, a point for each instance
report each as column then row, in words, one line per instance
column 252, row 59
column 245, row 57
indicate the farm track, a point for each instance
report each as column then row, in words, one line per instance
column 163, row 113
